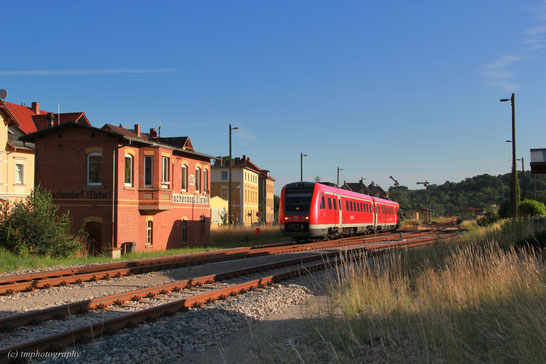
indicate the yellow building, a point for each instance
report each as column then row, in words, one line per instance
column 16, row 159
column 244, row 189
column 219, row 210
column 266, row 201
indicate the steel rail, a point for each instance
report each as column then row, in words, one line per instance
column 42, row 280
column 83, row 334
column 58, row 312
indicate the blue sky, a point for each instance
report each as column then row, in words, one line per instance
column 378, row 88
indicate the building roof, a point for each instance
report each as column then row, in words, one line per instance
column 245, row 162
column 360, row 187
column 30, row 120
column 107, row 129
column 177, row 142
column 23, row 115
column 124, row 131
column 43, row 120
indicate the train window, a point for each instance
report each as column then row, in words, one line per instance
column 358, row 207
column 347, row 204
column 322, row 205
column 329, row 203
column 352, row 205
column 361, row 209
column 335, row 203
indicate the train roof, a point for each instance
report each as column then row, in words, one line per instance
column 343, row 192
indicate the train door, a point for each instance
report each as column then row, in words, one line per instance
column 340, row 214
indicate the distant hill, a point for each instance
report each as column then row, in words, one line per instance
column 485, row 192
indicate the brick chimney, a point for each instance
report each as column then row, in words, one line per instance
column 153, row 133
column 36, row 107
column 51, row 118
column 137, row 130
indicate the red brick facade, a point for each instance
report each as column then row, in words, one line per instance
column 122, row 214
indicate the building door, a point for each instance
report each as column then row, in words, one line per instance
column 184, row 231
column 94, row 243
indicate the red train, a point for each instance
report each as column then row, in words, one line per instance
column 314, row 210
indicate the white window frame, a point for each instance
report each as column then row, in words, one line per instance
column 21, row 174
column 131, row 168
column 205, row 180
column 184, row 178
column 165, row 172
column 197, row 180
column 99, row 183
column 149, row 232
column 151, row 159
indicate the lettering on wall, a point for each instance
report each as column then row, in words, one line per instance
column 75, row 195
column 192, row 179
column 190, row 199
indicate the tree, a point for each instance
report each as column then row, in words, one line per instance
column 317, row 179
column 529, row 208
column 32, row 226
column 276, row 205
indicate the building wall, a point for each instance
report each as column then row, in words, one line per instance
column 249, row 194
column 9, row 158
column 219, row 210
column 269, row 201
column 62, row 168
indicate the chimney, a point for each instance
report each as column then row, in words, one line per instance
column 153, row 133
column 51, row 118
column 36, row 107
column 137, row 130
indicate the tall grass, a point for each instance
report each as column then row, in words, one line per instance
column 482, row 299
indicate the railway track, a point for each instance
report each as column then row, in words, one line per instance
column 179, row 296
column 43, row 280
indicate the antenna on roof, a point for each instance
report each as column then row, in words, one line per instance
column 3, row 94
column 59, row 114
column 159, row 129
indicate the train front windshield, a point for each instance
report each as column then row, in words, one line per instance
column 298, row 201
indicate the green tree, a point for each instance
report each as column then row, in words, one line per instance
column 32, row 226
column 276, row 205
column 528, row 208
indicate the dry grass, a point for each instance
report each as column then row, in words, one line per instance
column 480, row 300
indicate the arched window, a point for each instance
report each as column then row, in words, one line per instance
column 94, row 169
column 197, row 179
column 205, row 180
column 128, row 170
column 184, row 178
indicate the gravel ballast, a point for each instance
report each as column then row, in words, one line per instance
column 178, row 337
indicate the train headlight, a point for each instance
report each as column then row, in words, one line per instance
column 287, row 217
column 306, row 217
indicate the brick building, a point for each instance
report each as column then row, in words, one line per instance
column 123, row 185
column 16, row 157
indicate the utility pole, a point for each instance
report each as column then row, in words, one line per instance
column 514, row 191
column 426, row 183
column 338, row 169
column 230, row 217
column 522, row 178
column 301, row 165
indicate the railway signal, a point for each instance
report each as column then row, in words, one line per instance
column 426, row 183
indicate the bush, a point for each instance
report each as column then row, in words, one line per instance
column 488, row 219
column 529, row 208
column 31, row 226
